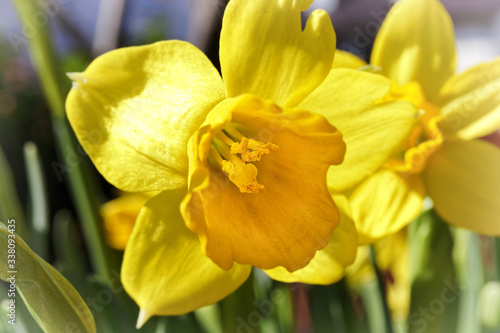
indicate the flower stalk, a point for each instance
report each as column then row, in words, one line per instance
column 43, row 60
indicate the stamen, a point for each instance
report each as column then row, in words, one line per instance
column 234, row 157
column 222, row 148
column 216, row 156
column 252, row 150
column 233, row 131
column 242, row 175
column 224, row 138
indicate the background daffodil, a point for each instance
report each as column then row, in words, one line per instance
column 242, row 163
column 119, row 217
column 444, row 156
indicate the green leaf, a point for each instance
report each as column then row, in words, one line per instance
column 434, row 290
column 489, row 306
column 375, row 309
column 24, row 320
column 467, row 255
column 38, row 207
column 209, row 318
column 50, row 298
column 10, row 207
column 239, row 311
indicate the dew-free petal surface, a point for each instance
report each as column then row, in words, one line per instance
column 471, row 102
column 294, row 215
column 265, row 52
column 344, row 59
column 134, row 109
column 164, row 268
column 328, row 265
column 372, row 132
column 384, row 203
column 416, row 42
column 463, row 180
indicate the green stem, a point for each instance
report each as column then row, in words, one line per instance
column 467, row 256
column 497, row 258
column 82, row 191
column 43, row 59
column 374, row 306
column 41, row 53
column 239, row 311
column 382, row 291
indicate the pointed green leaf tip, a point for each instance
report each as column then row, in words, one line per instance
column 51, row 299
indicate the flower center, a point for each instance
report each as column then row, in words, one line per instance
column 426, row 137
column 232, row 151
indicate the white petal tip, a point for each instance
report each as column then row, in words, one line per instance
column 77, row 77
column 144, row 316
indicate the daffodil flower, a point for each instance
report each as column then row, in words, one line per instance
column 243, row 162
column 444, row 156
column 119, row 217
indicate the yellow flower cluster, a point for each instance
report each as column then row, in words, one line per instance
column 290, row 158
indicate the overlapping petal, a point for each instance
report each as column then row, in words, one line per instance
column 384, row 203
column 265, row 52
column 416, row 42
column 134, row 109
column 294, row 215
column 119, row 217
column 463, row 180
column 164, row 268
column 344, row 59
column 471, row 102
column 328, row 264
column 372, row 132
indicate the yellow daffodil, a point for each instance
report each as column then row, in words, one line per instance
column 119, row 217
column 443, row 156
column 242, row 162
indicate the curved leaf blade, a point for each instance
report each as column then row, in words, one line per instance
column 51, row 299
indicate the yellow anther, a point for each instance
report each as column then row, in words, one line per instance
column 252, row 150
column 234, row 157
column 242, row 175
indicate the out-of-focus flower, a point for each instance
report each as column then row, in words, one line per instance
column 443, row 157
column 242, row 163
column 119, row 217
column 393, row 261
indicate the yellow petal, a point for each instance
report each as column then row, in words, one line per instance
column 265, row 52
column 344, row 59
column 361, row 271
column 384, row 203
column 416, row 43
column 328, row 265
column 119, row 217
column 372, row 133
column 471, row 102
column 164, row 269
column 293, row 215
column 134, row 109
column 463, row 180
